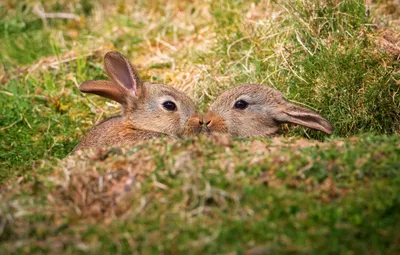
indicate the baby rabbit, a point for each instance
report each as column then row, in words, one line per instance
column 148, row 109
column 257, row 111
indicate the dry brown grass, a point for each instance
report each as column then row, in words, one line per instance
column 103, row 183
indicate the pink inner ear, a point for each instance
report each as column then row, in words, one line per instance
column 120, row 70
column 122, row 73
column 133, row 92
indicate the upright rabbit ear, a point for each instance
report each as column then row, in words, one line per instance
column 105, row 89
column 121, row 72
column 291, row 113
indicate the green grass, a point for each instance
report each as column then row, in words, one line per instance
column 323, row 55
column 201, row 195
column 341, row 197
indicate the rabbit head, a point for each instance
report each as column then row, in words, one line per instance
column 257, row 111
column 146, row 106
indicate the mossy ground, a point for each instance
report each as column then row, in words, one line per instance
column 308, row 194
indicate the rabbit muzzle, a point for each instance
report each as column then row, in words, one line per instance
column 194, row 125
column 214, row 123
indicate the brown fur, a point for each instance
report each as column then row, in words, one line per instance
column 118, row 133
column 266, row 111
column 143, row 114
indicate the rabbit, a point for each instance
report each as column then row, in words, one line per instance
column 254, row 110
column 148, row 109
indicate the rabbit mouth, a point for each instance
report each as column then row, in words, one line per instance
column 193, row 130
column 207, row 130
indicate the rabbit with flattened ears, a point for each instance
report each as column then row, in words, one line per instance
column 254, row 110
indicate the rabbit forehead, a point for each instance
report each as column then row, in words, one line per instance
column 251, row 93
column 159, row 93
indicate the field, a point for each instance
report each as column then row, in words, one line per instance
column 303, row 193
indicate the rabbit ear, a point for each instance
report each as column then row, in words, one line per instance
column 121, row 72
column 291, row 113
column 106, row 89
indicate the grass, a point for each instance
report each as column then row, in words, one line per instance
column 293, row 198
column 312, row 194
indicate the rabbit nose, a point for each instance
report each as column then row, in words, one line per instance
column 214, row 123
column 194, row 124
column 205, row 122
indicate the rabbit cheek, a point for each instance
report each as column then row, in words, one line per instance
column 171, row 125
column 271, row 127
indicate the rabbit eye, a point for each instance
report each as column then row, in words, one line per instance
column 169, row 106
column 241, row 104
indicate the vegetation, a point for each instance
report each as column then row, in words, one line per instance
column 303, row 193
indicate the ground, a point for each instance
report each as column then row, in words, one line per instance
column 305, row 192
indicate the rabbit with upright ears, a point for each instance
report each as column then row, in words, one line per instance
column 258, row 111
column 148, row 109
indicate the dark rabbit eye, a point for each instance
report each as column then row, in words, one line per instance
column 169, row 106
column 241, row 104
